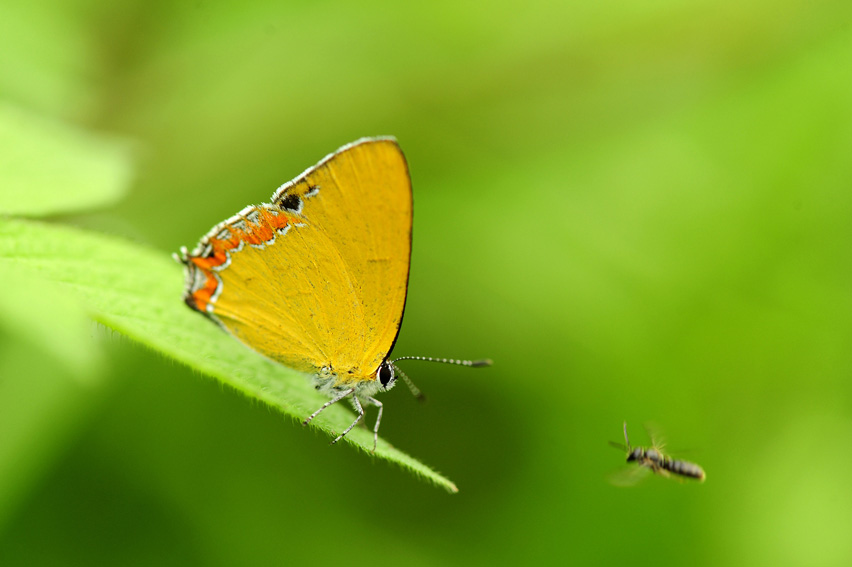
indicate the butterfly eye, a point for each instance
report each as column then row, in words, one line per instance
column 385, row 374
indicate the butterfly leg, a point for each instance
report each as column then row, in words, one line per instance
column 354, row 423
column 328, row 403
column 378, row 404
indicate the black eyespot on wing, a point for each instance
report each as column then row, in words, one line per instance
column 291, row 202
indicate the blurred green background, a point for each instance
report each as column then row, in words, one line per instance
column 639, row 210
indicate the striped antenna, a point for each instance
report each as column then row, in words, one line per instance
column 415, row 391
column 471, row 363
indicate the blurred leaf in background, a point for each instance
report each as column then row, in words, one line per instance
column 50, row 168
column 638, row 210
column 51, row 374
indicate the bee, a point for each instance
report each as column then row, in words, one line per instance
column 653, row 459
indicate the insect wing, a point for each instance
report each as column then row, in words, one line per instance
column 628, row 476
column 655, row 434
column 319, row 276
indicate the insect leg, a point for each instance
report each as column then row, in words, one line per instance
column 354, row 423
column 328, row 403
column 378, row 404
column 658, row 469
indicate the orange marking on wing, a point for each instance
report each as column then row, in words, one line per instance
column 252, row 236
column 264, row 230
column 257, row 233
column 205, row 264
column 277, row 222
column 219, row 255
column 264, row 233
column 203, row 295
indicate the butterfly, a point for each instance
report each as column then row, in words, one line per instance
column 317, row 278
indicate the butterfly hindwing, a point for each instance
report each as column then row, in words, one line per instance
column 319, row 279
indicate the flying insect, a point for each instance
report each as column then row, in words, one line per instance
column 653, row 459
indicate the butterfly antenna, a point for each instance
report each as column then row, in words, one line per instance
column 471, row 363
column 415, row 391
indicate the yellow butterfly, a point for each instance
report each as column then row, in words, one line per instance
column 317, row 279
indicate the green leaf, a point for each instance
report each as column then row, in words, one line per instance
column 49, row 167
column 137, row 291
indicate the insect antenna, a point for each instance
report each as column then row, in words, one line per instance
column 415, row 391
column 471, row 363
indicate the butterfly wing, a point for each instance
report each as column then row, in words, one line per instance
column 318, row 278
